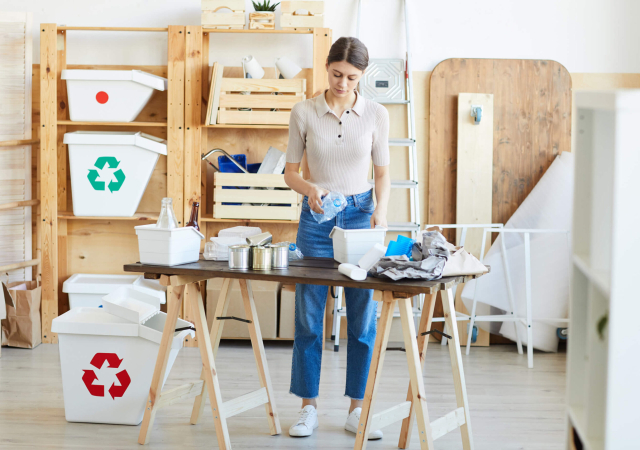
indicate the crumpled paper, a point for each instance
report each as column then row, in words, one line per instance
column 429, row 259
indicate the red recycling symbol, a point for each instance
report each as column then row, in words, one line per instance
column 97, row 390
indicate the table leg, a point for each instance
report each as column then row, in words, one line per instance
column 215, row 335
column 260, row 356
column 423, row 342
column 456, row 367
column 377, row 359
column 419, row 399
column 211, row 377
column 175, row 305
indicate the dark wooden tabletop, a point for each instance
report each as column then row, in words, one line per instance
column 322, row 271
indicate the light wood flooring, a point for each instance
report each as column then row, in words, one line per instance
column 512, row 407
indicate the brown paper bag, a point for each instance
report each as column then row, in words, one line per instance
column 21, row 328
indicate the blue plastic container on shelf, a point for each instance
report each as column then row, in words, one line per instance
column 227, row 166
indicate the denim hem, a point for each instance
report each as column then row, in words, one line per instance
column 357, row 399
column 304, row 398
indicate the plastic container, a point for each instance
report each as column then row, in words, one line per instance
column 168, row 247
column 87, row 290
column 107, row 356
column 227, row 166
column 110, row 170
column 109, row 95
column 351, row 245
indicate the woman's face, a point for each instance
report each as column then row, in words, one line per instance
column 343, row 78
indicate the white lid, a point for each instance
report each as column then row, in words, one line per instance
column 153, row 233
column 137, row 138
column 132, row 303
column 138, row 76
column 93, row 321
column 152, row 287
column 81, row 283
column 377, row 229
column 243, row 232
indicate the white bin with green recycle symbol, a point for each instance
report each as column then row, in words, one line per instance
column 107, row 356
column 110, row 170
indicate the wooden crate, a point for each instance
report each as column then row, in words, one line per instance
column 211, row 18
column 261, row 100
column 287, row 197
column 262, row 15
column 290, row 20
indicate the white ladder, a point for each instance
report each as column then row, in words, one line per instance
column 413, row 226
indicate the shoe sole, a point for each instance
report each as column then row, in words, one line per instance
column 304, row 435
column 370, row 438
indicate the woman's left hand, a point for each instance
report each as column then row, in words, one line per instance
column 379, row 218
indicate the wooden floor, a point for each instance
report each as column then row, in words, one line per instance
column 512, row 407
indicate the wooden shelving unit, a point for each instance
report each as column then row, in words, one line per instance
column 73, row 244
column 602, row 364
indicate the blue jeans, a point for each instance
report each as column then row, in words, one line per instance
column 313, row 240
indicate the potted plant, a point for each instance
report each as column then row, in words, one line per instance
column 265, row 17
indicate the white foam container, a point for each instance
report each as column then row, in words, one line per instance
column 109, row 95
column 136, row 155
column 129, row 326
column 351, row 245
column 168, row 247
column 87, row 290
column 241, row 232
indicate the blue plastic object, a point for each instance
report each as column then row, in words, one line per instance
column 253, row 168
column 332, row 204
column 400, row 247
column 228, row 167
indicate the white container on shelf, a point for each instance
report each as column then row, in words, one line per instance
column 87, row 290
column 110, row 170
column 107, row 359
column 168, row 247
column 109, row 95
column 351, row 245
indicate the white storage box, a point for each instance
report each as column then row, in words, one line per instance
column 110, row 170
column 168, row 247
column 89, row 289
column 351, row 245
column 107, row 359
column 109, row 95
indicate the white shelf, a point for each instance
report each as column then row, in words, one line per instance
column 600, row 278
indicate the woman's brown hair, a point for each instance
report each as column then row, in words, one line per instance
column 351, row 50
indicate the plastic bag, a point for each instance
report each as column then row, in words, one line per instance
column 332, row 204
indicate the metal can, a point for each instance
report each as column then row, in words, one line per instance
column 261, row 257
column 280, row 256
column 239, row 257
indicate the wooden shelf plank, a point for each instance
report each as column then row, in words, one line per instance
column 137, row 216
column 215, row 30
column 113, row 29
column 211, row 219
column 227, row 125
column 114, row 124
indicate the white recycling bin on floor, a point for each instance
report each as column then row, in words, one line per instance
column 107, row 356
column 110, row 170
column 109, row 95
column 89, row 289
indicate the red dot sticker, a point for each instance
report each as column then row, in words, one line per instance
column 102, row 97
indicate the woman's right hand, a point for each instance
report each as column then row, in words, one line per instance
column 315, row 198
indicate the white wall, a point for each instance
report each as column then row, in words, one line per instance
column 584, row 35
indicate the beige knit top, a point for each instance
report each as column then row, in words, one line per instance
column 339, row 149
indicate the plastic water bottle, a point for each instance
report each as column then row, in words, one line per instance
column 332, row 204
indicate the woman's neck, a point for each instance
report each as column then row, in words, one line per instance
column 340, row 103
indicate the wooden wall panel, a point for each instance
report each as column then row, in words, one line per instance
column 532, row 125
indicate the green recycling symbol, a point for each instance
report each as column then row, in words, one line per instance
column 118, row 174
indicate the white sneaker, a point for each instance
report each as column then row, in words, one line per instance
column 307, row 422
column 352, row 425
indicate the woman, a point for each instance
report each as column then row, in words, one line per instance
column 341, row 132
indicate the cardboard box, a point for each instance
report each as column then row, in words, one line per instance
column 265, row 297
column 287, row 325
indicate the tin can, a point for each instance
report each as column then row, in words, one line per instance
column 239, row 257
column 261, row 257
column 280, row 256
